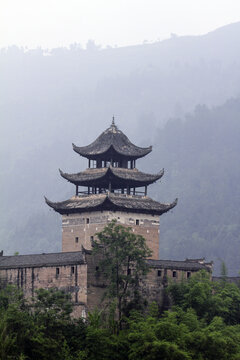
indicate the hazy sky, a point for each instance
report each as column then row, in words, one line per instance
column 51, row 23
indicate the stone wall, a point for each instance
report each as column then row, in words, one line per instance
column 96, row 283
column 69, row 278
column 79, row 229
column 153, row 284
column 86, row 283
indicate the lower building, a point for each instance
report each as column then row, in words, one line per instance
column 76, row 273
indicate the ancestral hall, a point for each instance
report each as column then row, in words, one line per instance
column 110, row 188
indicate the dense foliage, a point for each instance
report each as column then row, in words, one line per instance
column 204, row 323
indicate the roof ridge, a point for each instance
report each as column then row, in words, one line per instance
column 39, row 254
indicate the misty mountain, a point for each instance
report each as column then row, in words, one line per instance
column 49, row 99
column 201, row 156
column 75, row 91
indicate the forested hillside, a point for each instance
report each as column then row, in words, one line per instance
column 201, row 158
column 49, row 99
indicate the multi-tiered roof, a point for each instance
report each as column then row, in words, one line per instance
column 112, row 180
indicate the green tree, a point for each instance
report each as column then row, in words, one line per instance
column 122, row 259
column 208, row 298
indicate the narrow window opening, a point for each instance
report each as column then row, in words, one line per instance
column 57, row 272
column 159, row 273
column 137, row 222
column 87, row 220
column 174, row 274
column 72, row 270
column 188, row 274
column 91, row 238
column 76, row 239
column 97, row 268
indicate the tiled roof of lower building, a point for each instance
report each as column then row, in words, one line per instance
column 39, row 260
column 179, row 265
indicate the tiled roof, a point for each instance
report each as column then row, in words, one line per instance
column 77, row 203
column 111, row 201
column 39, row 260
column 178, row 265
column 119, row 176
column 113, row 141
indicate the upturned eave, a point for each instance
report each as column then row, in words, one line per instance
column 119, row 177
column 111, row 201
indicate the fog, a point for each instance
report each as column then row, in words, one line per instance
column 49, row 99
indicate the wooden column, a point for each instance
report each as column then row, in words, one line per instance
column 76, row 190
column 146, row 190
column 89, row 163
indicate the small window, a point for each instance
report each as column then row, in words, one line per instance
column 91, row 238
column 159, row 273
column 137, row 222
column 97, row 268
column 129, row 272
column 174, row 274
column 76, row 240
column 57, row 272
column 72, row 270
column 188, row 274
column 87, row 220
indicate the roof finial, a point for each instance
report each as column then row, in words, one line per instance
column 113, row 121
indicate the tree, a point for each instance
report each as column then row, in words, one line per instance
column 122, row 260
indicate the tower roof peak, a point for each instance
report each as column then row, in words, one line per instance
column 112, row 144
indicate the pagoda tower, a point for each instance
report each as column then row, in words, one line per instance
column 110, row 188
